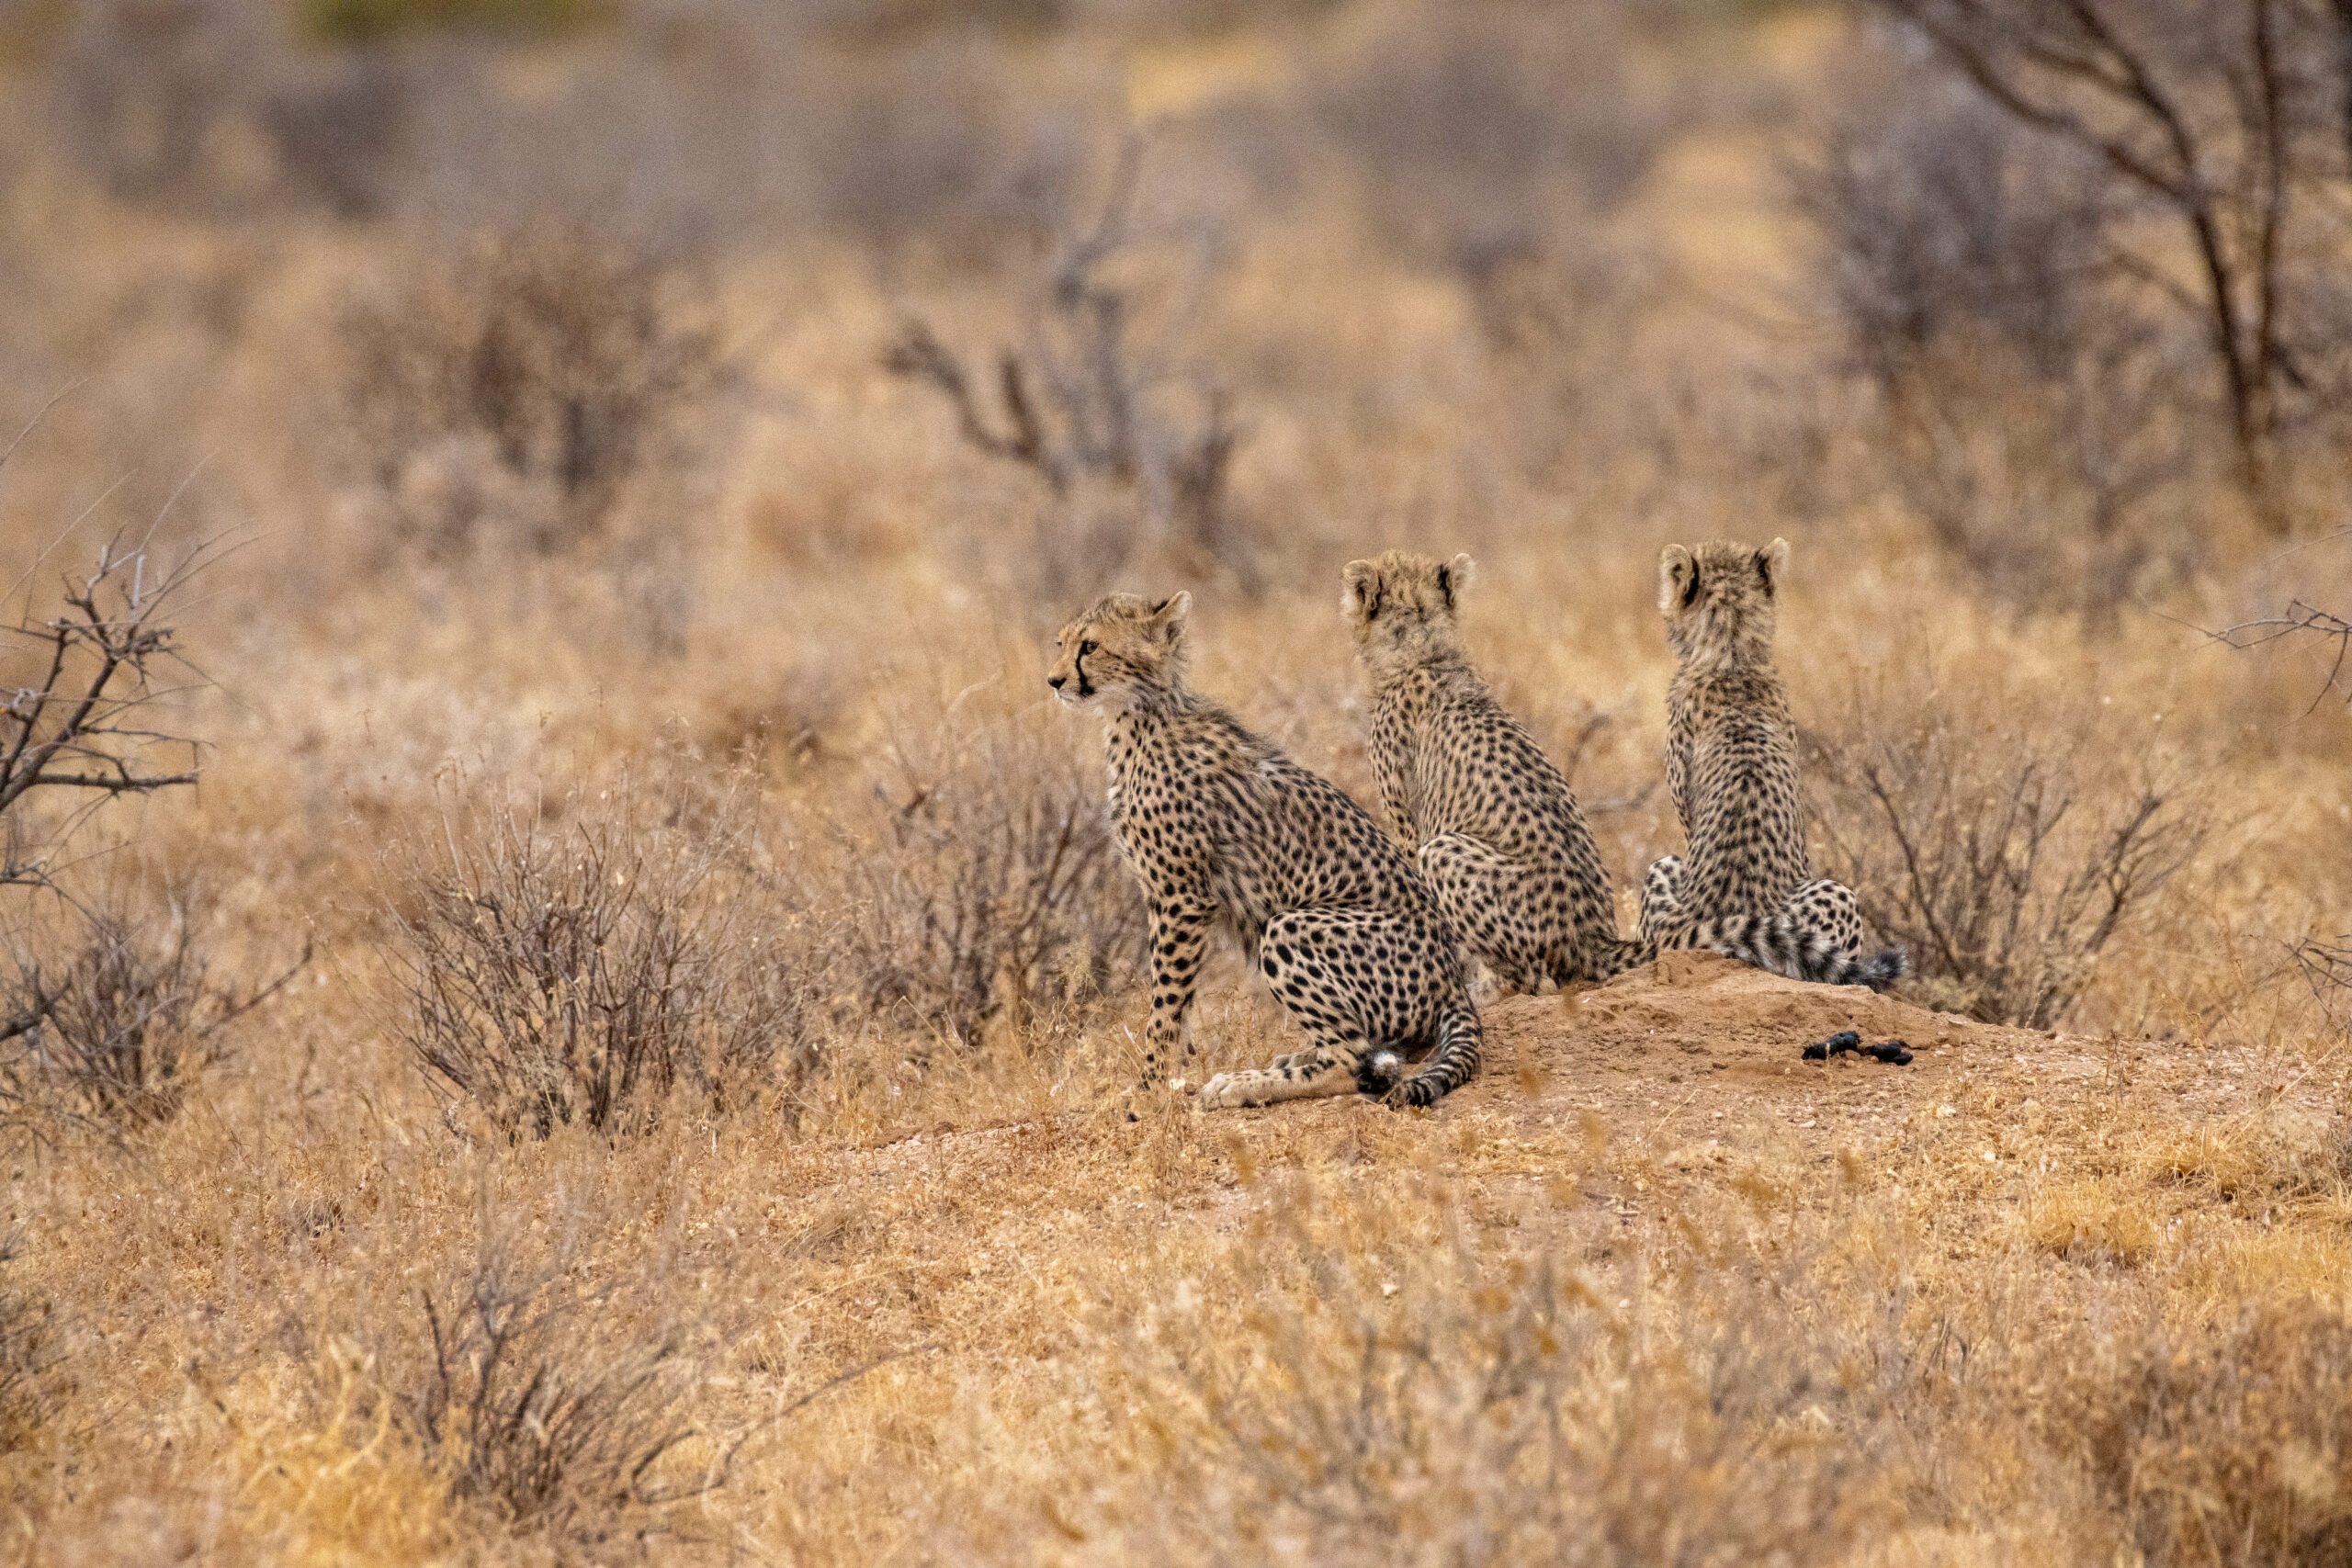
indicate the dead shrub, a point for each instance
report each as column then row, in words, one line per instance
column 516, row 391
column 990, row 887
column 2004, row 845
column 2209, row 135
column 540, row 1410
column 125, row 1026
column 558, row 972
column 2040, row 408
column 1134, row 447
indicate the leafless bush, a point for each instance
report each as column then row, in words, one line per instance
column 2003, row 849
column 1093, row 399
column 518, row 389
column 581, row 973
column 2300, row 622
column 545, row 1414
column 2040, row 405
column 118, row 1035
column 2213, row 132
column 77, row 726
column 993, row 888
column 82, row 693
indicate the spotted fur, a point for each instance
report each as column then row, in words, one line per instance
column 1224, row 830
column 1731, row 766
column 1499, row 833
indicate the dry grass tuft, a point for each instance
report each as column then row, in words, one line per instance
column 1409, row 1395
column 2225, row 1449
column 531, row 1410
column 31, row 1359
column 988, row 888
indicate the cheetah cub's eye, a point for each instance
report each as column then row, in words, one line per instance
column 1085, row 647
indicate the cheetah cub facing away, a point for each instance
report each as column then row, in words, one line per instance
column 1501, row 840
column 1222, row 829
column 1731, row 766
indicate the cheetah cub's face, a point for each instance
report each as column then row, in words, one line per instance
column 1403, row 607
column 1718, row 599
column 1123, row 645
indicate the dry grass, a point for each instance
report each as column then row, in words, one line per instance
column 693, row 1139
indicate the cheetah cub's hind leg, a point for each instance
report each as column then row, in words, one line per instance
column 1328, row 967
column 1478, row 888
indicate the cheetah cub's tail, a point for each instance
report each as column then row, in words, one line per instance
column 1785, row 944
column 1878, row 972
column 1453, row 1064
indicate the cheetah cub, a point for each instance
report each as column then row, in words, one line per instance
column 1731, row 766
column 1222, row 829
column 1501, row 841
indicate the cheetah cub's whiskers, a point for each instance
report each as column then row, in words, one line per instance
column 1497, row 829
column 1731, row 766
column 1224, row 830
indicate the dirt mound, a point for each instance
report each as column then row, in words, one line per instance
column 1700, row 1034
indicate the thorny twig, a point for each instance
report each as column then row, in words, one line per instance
column 2299, row 619
column 76, row 727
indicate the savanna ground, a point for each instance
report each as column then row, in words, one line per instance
column 616, row 1055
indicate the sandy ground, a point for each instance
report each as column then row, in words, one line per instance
column 1681, row 1083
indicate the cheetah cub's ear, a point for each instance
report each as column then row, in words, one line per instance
column 1772, row 565
column 1454, row 577
column 1677, row 577
column 1167, row 616
column 1360, row 589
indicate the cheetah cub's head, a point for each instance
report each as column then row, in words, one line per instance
column 1403, row 608
column 1122, row 646
column 1718, row 600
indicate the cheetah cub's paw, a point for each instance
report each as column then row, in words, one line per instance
column 1411, row 1092
column 1227, row 1091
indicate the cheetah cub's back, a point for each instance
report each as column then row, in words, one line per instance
column 1730, row 767
column 1495, row 825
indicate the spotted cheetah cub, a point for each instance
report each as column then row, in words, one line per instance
column 1501, row 841
column 1731, row 766
column 1222, row 829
